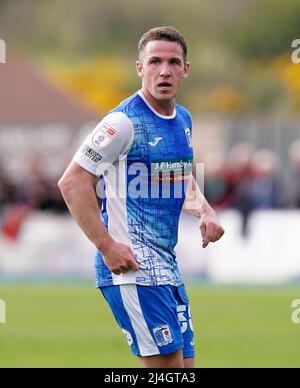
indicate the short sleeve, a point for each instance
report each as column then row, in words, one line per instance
column 111, row 140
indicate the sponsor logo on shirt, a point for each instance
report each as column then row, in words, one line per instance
column 163, row 335
column 91, row 154
column 171, row 171
column 104, row 135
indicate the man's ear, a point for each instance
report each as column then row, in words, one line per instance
column 187, row 68
column 139, row 68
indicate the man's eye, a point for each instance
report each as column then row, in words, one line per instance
column 154, row 61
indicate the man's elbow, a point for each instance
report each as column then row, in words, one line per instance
column 71, row 183
column 65, row 185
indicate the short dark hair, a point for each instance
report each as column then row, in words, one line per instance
column 169, row 34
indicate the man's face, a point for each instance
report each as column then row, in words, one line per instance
column 162, row 68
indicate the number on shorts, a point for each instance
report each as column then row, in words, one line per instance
column 185, row 323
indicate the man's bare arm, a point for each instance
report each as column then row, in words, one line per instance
column 197, row 205
column 77, row 188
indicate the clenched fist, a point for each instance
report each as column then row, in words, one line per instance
column 210, row 227
column 119, row 258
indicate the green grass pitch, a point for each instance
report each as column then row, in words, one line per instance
column 58, row 325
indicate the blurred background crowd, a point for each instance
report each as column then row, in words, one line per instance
column 252, row 180
column 248, row 180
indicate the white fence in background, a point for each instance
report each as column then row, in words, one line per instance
column 54, row 246
column 271, row 254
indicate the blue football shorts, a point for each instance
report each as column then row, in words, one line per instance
column 154, row 319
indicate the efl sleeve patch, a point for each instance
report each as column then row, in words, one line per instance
column 104, row 135
column 111, row 140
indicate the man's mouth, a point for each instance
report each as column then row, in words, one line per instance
column 164, row 85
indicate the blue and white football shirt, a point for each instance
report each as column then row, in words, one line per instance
column 144, row 161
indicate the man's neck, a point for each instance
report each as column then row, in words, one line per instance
column 165, row 108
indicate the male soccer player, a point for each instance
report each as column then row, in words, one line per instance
column 142, row 152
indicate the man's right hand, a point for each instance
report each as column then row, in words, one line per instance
column 119, row 258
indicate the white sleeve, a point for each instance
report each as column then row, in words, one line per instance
column 111, row 140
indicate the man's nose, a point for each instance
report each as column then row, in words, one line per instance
column 165, row 71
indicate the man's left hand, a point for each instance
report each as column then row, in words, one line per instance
column 210, row 227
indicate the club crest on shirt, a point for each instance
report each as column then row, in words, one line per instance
column 163, row 335
column 189, row 137
column 104, row 135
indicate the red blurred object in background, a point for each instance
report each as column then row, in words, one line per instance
column 13, row 220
